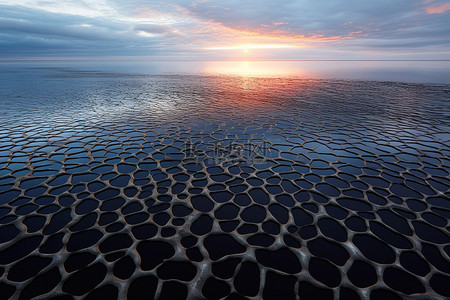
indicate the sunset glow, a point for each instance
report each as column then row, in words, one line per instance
column 247, row 47
column 246, row 68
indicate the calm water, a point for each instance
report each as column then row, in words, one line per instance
column 400, row 71
column 225, row 180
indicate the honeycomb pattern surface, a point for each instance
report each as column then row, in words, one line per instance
column 118, row 186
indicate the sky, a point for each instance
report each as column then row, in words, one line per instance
column 232, row 29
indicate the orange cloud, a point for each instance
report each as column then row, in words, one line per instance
column 279, row 23
column 224, row 37
column 212, row 34
column 438, row 8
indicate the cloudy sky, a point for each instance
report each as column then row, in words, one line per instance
column 232, row 29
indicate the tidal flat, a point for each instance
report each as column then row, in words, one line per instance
column 222, row 186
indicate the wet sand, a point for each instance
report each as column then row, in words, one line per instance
column 116, row 185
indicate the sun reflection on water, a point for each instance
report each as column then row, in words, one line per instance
column 248, row 68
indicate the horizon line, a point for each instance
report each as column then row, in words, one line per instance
column 139, row 58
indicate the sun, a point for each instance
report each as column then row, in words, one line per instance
column 245, row 50
column 248, row 47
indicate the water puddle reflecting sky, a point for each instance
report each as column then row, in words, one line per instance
column 237, row 177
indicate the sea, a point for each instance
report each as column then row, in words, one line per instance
column 142, row 179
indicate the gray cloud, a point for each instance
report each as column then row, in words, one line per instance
column 382, row 18
column 24, row 31
column 156, row 29
column 142, row 27
column 66, row 31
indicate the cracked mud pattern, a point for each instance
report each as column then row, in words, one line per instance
column 189, row 187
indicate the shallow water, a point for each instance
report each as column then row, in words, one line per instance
column 116, row 184
column 375, row 70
